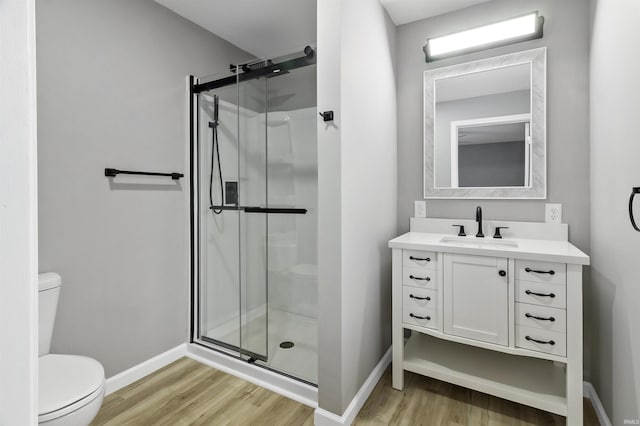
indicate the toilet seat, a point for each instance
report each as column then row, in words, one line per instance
column 67, row 383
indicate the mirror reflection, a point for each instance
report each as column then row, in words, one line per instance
column 483, row 129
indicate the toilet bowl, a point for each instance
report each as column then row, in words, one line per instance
column 70, row 387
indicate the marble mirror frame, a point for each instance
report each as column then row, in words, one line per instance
column 538, row 189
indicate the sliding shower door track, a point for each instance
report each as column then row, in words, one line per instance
column 228, row 350
column 252, row 355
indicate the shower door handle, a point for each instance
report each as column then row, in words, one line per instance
column 274, row 210
column 256, row 209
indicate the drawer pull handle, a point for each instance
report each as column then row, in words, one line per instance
column 419, row 278
column 428, row 318
column 528, row 315
column 542, row 342
column 426, row 259
column 550, row 272
column 551, row 295
column 419, row 298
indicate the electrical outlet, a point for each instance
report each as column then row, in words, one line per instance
column 420, row 209
column 553, row 213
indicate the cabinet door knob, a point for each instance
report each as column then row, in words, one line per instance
column 502, row 273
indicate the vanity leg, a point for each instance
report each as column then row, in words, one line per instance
column 574, row 346
column 396, row 321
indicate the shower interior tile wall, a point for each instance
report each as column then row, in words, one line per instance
column 292, row 181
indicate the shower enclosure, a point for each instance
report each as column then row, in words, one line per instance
column 254, row 213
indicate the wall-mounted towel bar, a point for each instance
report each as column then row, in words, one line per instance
column 634, row 191
column 114, row 172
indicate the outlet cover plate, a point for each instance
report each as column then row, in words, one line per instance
column 420, row 208
column 553, row 213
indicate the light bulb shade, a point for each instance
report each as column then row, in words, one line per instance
column 514, row 30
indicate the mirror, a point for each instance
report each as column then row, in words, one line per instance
column 485, row 128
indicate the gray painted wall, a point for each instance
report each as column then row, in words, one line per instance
column 615, row 155
column 357, row 193
column 111, row 93
column 566, row 35
column 491, row 164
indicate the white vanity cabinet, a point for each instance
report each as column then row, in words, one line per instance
column 503, row 319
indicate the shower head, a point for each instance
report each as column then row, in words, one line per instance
column 215, row 108
column 213, row 124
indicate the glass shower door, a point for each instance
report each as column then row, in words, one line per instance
column 257, row 216
column 252, row 172
column 218, row 243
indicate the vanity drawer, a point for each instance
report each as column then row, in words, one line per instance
column 541, row 317
column 553, row 295
column 413, row 297
column 541, row 272
column 419, row 259
column 556, row 343
column 419, row 277
column 423, row 317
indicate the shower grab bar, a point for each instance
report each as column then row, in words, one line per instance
column 255, row 209
column 114, row 172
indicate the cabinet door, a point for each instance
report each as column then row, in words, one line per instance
column 476, row 298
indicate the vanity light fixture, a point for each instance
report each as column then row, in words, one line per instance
column 514, row 30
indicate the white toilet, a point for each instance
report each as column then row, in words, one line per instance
column 70, row 387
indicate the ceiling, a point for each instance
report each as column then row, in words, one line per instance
column 264, row 28
column 404, row 11
column 270, row 28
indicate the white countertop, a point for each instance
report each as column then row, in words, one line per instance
column 527, row 249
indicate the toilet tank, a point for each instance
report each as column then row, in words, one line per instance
column 48, row 292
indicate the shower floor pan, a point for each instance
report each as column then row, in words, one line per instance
column 299, row 360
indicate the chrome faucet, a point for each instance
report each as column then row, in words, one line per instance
column 479, row 220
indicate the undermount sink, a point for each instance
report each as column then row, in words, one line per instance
column 479, row 242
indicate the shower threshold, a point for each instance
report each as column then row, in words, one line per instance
column 299, row 362
column 252, row 355
column 220, row 359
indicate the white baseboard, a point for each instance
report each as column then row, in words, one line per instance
column 326, row 418
column 143, row 369
column 590, row 392
column 285, row 386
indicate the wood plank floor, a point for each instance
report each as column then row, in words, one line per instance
column 189, row 393
column 426, row 401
